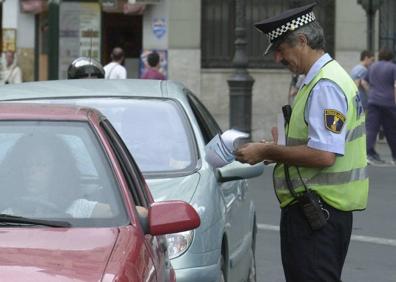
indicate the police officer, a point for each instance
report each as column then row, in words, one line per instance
column 84, row 67
column 320, row 176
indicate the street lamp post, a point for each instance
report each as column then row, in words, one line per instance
column 240, row 82
column 371, row 7
column 53, row 39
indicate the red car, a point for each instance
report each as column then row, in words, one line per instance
column 74, row 205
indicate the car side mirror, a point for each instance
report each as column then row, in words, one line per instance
column 168, row 217
column 238, row 171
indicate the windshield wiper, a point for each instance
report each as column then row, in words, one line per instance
column 6, row 218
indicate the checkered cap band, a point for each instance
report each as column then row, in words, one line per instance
column 290, row 26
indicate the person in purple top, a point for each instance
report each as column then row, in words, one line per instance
column 153, row 61
column 381, row 110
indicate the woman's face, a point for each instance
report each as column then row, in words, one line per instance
column 38, row 173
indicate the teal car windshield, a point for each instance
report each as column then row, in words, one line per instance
column 155, row 131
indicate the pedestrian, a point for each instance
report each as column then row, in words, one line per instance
column 359, row 71
column 115, row 69
column 84, row 67
column 320, row 176
column 153, row 71
column 381, row 110
column 12, row 72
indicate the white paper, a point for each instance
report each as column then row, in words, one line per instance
column 281, row 130
column 220, row 150
column 232, row 138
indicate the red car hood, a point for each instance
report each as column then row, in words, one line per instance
column 55, row 254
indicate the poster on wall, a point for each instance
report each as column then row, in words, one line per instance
column 143, row 65
column 9, row 39
column 90, row 30
column 79, row 33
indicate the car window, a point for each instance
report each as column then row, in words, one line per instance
column 131, row 172
column 82, row 157
column 207, row 123
column 57, row 170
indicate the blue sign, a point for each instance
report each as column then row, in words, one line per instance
column 159, row 27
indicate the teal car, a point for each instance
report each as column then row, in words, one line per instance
column 166, row 128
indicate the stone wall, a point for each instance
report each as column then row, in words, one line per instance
column 185, row 65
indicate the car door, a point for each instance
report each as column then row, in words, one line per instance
column 156, row 244
column 154, row 258
column 234, row 192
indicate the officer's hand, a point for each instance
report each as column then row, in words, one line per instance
column 250, row 153
column 275, row 136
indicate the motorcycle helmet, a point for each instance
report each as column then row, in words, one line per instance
column 84, row 67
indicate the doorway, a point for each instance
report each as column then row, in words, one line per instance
column 125, row 31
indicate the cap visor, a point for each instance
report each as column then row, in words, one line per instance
column 269, row 49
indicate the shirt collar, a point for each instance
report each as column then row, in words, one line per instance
column 315, row 68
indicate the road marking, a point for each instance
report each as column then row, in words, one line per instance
column 374, row 240
column 358, row 238
column 262, row 226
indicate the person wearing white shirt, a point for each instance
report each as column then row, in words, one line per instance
column 12, row 73
column 115, row 69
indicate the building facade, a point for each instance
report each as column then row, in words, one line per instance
column 194, row 37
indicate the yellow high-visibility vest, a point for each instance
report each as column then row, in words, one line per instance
column 344, row 185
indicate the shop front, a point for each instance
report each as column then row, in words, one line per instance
column 67, row 29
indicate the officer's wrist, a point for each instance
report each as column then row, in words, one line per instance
column 266, row 150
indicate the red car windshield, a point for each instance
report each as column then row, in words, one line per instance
column 57, row 170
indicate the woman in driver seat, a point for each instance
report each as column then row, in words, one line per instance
column 45, row 180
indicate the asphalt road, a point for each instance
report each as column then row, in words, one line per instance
column 372, row 252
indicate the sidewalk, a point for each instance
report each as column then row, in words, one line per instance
column 383, row 150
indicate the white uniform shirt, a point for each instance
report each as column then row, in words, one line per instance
column 326, row 95
column 114, row 70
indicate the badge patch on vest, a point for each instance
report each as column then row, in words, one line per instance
column 334, row 120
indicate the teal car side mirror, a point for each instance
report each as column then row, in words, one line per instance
column 238, row 171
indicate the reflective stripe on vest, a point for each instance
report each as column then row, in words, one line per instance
column 356, row 133
column 351, row 135
column 335, row 178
